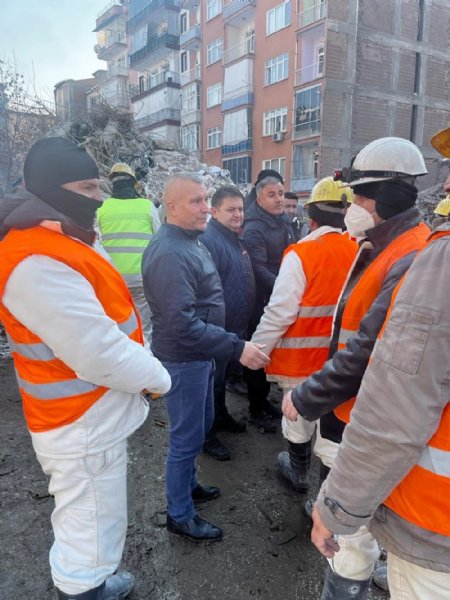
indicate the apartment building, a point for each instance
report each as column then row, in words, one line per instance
column 302, row 85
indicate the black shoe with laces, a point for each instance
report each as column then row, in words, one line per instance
column 214, row 448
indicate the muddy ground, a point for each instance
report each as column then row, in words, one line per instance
column 266, row 552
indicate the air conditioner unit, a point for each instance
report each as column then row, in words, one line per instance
column 278, row 136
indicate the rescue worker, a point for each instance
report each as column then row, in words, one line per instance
column 127, row 224
column 296, row 325
column 384, row 215
column 77, row 346
column 441, row 213
column 392, row 472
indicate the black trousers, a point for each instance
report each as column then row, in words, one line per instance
column 258, row 389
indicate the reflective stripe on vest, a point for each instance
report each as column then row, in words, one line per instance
column 369, row 286
column 303, row 348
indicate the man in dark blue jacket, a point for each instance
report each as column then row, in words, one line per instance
column 183, row 289
column 222, row 238
column 267, row 233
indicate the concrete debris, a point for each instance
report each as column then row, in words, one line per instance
column 429, row 198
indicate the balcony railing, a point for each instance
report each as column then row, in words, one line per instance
column 190, row 76
column 244, row 48
column 114, row 38
column 308, row 73
column 154, row 81
column 144, row 15
column 117, row 71
column 237, row 146
column 313, row 14
column 191, row 36
column 241, row 97
column 306, row 129
column 301, row 181
column 231, row 7
column 108, row 14
column 166, row 39
column 165, row 114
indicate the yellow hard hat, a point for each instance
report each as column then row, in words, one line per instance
column 121, row 169
column 443, row 207
column 328, row 190
column 441, row 142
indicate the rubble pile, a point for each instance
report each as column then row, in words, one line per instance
column 429, row 198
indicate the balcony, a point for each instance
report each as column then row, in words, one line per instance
column 154, row 82
column 306, row 129
column 191, row 76
column 313, row 14
column 244, row 48
column 302, row 182
column 168, row 116
column 115, row 45
column 241, row 97
column 106, row 16
column 237, row 11
column 191, row 39
column 115, row 99
column 188, row 4
column 117, row 71
column 308, row 74
column 148, row 13
column 155, row 50
column 238, row 146
column 191, row 117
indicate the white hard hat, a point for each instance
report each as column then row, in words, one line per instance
column 386, row 158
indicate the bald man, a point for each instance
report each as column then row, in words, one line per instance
column 184, row 292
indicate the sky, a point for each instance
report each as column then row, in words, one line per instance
column 50, row 40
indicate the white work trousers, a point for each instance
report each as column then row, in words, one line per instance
column 140, row 301
column 90, row 517
column 411, row 582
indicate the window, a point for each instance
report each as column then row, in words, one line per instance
column 183, row 62
column 190, row 137
column 214, row 51
column 278, row 164
column 319, row 60
column 191, row 98
column 250, row 41
column 278, row 18
column 277, row 68
column 307, row 112
column 275, row 120
column 213, row 8
column 183, row 22
column 214, row 139
column 304, row 167
column 315, row 163
column 240, row 169
column 214, row 95
column 141, row 84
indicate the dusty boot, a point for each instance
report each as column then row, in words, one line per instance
column 95, row 594
column 380, row 578
column 309, row 504
column 294, row 465
column 336, row 587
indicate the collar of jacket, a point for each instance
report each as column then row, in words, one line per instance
column 179, row 232
column 383, row 234
column 257, row 213
column 22, row 210
column 215, row 224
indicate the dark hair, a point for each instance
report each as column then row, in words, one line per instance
column 268, row 173
column 322, row 217
column 291, row 195
column 226, row 191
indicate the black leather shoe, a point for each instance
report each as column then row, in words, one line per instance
column 263, row 422
column 196, row 530
column 271, row 410
column 205, row 493
column 216, row 449
column 227, row 423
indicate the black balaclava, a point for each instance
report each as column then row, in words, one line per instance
column 54, row 161
column 392, row 196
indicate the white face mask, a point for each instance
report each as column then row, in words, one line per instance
column 358, row 220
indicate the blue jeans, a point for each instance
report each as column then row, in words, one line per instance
column 190, row 405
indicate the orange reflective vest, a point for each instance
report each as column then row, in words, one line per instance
column 422, row 497
column 369, row 286
column 303, row 348
column 52, row 393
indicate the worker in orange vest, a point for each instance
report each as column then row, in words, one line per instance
column 392, row 472
column 384, row 216
column 296, row 325
column 77, row 344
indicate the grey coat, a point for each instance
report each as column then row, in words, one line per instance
column 403, row 394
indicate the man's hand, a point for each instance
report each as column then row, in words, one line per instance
column 252, row 357
column 322, row 538
column 288, row 408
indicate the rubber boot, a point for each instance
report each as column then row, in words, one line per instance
column 294, row 465
column 380, row 578
column 95, row 594
column 309, row 504
column 336, row 587
column 116, row 587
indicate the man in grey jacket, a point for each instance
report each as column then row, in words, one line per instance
column 392, row 472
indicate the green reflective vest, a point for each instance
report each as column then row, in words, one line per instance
column 126, row 230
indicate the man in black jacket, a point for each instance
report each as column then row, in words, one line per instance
column 267, row 233
column 183, row 289
column 222, row 238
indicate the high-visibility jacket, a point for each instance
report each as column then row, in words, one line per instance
column 303, row 348
column 52, row 394
column 369, row 286
column 422, row 497
column 126, row 230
